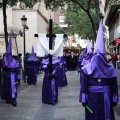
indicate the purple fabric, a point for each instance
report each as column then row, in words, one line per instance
column 96, row 99
column 19, row 76
column 53, row 89
column 87, row 57
column 99, row 46
column 99, row 67
column 62, row 60
column 8, row 60
column 13, row 86
column 46, row 61
column 9, row 47
column 9, row 80
column 84, row 97
column 105, row 90
column 32, row 56
column 54, row 72
column 81, row 59
column 82, row 54
column 50, row 87
column 61, row 76
column 115, row 98
column 32, row 72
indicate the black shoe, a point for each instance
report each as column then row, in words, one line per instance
column 8, row 102
column 14, row 103
column 53, row 103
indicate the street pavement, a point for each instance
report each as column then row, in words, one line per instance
column 30, row 106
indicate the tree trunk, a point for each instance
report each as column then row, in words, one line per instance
column 5, row 23
column 97, row 10
column 93, row 24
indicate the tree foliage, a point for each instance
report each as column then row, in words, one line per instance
column 22, row 3
column 86, row 6
column 57, row 29
column 78, row 21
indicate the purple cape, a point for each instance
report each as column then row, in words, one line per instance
column 99, row 67
column 32, row 56
column 86, row 59
column 46, row 61
column 9, row 61
column 62, row 60
column 82, row 55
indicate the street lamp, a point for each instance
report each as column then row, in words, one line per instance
column 24, row 21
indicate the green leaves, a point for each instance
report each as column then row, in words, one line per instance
column 78, row 21
column 57, row 29
column 80, row 15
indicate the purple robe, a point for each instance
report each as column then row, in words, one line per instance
column 99, row 90
column 10, row 68
column 99, row 94
column 62, row 69
column 50, row 87
column 19, row 74
column 32, row 68
column 80, row 59
column 9, row 85
column 32, row 71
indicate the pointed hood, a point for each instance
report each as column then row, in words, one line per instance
column 100, row 46
column 32, row 56
column 9, row 47
column 99, row 67
column 8, row 60
column 82, row 55
column 89, row 50
column 87, row 57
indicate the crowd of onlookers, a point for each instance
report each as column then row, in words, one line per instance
column 114, row 58
column 71, row 60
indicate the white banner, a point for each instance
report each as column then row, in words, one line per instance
column 43, row 45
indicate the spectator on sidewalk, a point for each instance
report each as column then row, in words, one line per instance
column 72, row 60
column 114, row 58
column 109, row 58
column 118, row 63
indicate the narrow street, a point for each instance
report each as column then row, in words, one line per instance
column 30, row 107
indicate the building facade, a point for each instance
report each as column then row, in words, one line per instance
column 59, row 18
column 112, row 21
column 37, row 22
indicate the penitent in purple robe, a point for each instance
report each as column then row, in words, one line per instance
column 10, row 67
column 50, row 87
column 62, row 69
column 81, row 59
column 100, row 95
column 33, row 66
column 99, row 90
